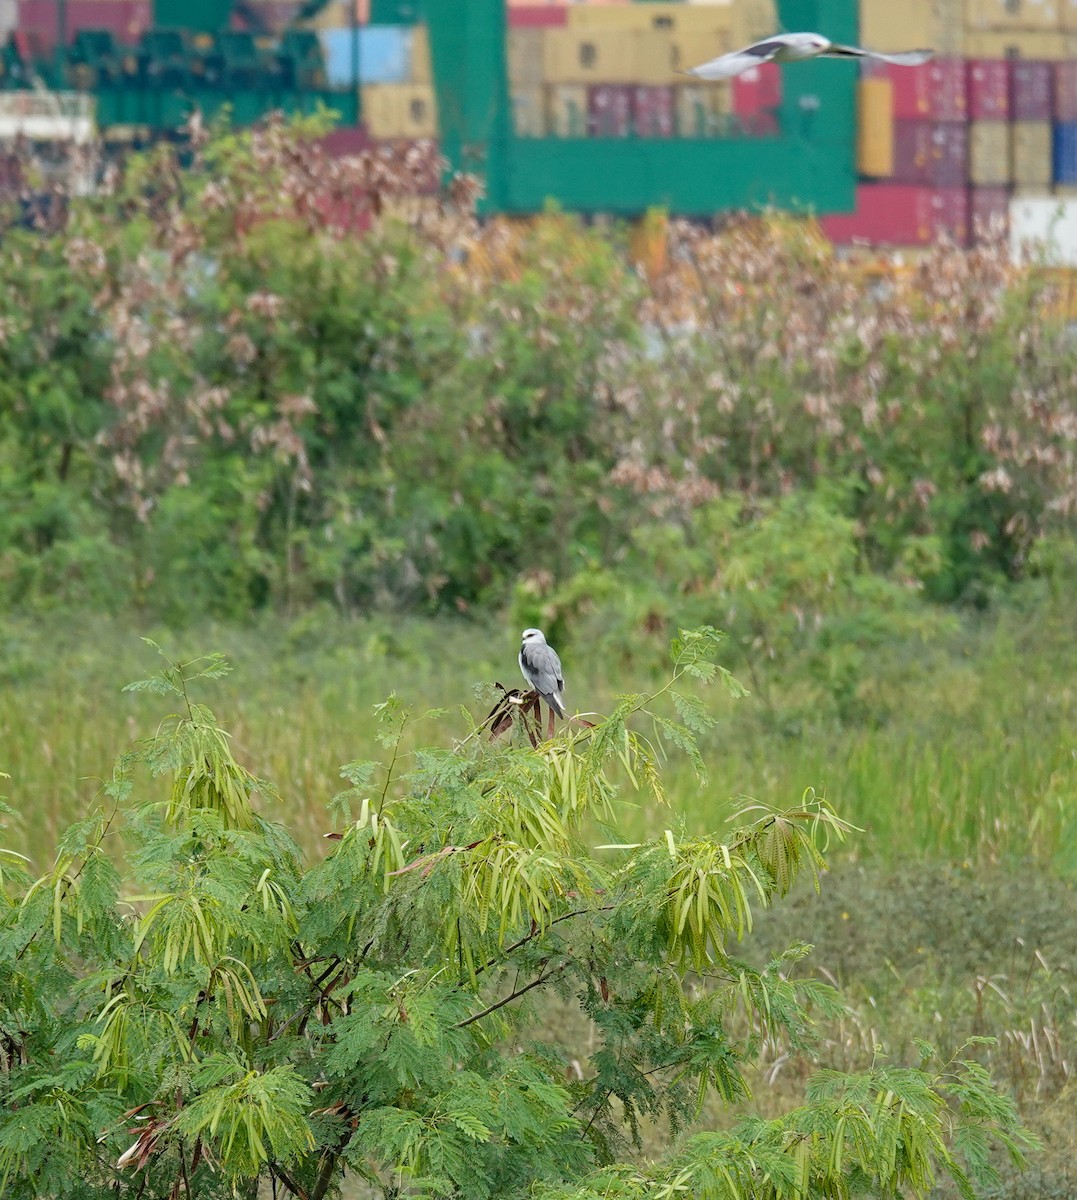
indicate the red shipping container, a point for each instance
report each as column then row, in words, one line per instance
column 934, row 92
column 654, row 111
column 931, row 152
column 1031, row 92
column 124, row 19
column 758, row 90
column 537, row 16
column 1065, row 108
column 347, row 139
column 897, row 214
column 989, row 209
column 609, row 110
column 989, row 89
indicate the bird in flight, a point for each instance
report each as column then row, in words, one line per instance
column 795, row 47
column 542, row 669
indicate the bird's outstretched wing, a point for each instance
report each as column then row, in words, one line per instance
column 543, row 668
column 736, row 62
column 903, row 58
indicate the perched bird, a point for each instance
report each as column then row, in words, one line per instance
column 794, row 47
column 542, row 669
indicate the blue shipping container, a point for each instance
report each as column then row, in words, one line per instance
column 384, row 55
column 1065, row 152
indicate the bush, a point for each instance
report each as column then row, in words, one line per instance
column 230, row 1014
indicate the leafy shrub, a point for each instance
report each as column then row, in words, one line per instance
column 232, row 1014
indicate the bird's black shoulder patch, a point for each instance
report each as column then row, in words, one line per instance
column 763, row 49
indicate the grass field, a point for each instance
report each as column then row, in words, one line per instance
column 949, row 916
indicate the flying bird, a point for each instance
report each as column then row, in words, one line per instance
column 542, row 669
column 795, row 47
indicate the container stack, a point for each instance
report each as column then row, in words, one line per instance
column 610, row 70
column 945, row 148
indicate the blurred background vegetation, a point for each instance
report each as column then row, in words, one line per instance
column 360, row 465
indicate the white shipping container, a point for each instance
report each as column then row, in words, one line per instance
column 1044, row 228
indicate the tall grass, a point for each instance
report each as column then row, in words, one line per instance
column 967, row 750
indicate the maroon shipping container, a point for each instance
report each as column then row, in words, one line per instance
column 609, row 110
column 758, row 90
column 989, row 89
column 931, row 152
column 934, row 92
column 124, row 19
column 989, row 210
column 896, row 214
column 654, row 111
column 347, row 139
column 536, row 16
column 1031, row 90
column 1065, row 107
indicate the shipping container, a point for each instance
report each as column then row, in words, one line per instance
column 931, row 152
column 529, row 111
column 989, row 90
column 989, row 152
column 1044, row 229
column 609, row 110
column 570, row 56
column 887, row 25
column 566, row 109
column 1032, row 153
column 701, row 108
column 1064, row 156
column 124, row 19
column 937, row 91
column 989, row 212
column 1012, row 14
column 1065, row 101
column 421, row 66
column 1036, row 43
column 654, row 112
column 875, row 128
column 1031, row 96
column 1067, row 15
column 654, row 18
column 525, row 58
column 895, row 214
column 384, row 55
column 537, row 16
column 758, row 90
column 399, row 110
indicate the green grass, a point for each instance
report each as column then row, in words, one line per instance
column 962, row 749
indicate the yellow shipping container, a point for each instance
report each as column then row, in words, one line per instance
column 569, row 56
column 887, row 25
column 989, row 152
column 421, row 71
column 1012, row 14
column 529, row 111
column 1067, row 15
column 1018, row 43
column 660, row 57
column 1032, row 153
column 566, row 109
column 525, row 57
column 399, row 110
column 875, row 128
column 652, row 18
column 701, row 108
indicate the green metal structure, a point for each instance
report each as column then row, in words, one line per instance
column 808, row 166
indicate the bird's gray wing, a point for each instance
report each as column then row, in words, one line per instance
column 544, row 668
column 726, row 66
column 903, row 58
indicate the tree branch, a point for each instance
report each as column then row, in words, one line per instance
column 511, row 996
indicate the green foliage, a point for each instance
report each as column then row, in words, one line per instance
column 230, row 1014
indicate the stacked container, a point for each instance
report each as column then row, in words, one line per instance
column 629, row 58
column 995, row 114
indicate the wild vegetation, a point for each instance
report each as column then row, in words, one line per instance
column 254, row 398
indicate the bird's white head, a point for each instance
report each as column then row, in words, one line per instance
column 818, row 42
column 534, row 635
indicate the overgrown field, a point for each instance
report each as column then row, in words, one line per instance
column 358, row 467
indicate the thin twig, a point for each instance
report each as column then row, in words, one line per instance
column 512, row 996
